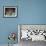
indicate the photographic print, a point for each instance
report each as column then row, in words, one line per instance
column 10, row 11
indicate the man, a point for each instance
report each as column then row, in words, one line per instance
column 9, row 12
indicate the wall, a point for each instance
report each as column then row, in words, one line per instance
column 29, row 12
column 7, row 25
column 32, row 11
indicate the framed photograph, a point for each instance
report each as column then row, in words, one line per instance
column 10, row 11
